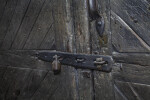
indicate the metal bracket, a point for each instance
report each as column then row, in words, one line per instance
column 94, row 15
column 94, row 62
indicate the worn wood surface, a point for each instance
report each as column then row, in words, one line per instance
column 6, row 17
column 131, row 46
column 17, row 18
column 81, row 41
column 130, row 25
column 35, row 25
column 102, row 82
column 131, row 91
column 132, row 58
column 64, row 25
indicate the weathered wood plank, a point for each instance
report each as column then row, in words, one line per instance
column 42, row 26
column 103, row 82
column 20, row 83
column 133, row 91
column 81, row 41
column 63, row 42
column 130, row 25
column 7, row 84
column 6, row 18
column 48, row 41
column 132, row 58
column 22, row 59
column 31, row 84
column 2, row 7
column 27, row 87
column 131, row 73
column 55, row 87
column 28, row 22
column 16, row 21
column 118, row 94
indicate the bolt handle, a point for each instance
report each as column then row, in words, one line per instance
column 56, row 65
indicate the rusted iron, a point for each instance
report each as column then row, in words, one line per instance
column 76, row 60
column 56, row 66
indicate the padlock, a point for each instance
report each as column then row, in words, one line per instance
column 56, row 65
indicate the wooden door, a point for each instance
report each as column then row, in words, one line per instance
column 29, row 26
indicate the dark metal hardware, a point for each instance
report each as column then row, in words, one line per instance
column 94, row 15
column 56, row 66
column 94, row 62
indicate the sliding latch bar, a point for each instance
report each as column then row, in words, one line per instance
column 84, row 61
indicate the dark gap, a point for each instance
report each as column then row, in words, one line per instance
column 33, row 24
column 20, row 24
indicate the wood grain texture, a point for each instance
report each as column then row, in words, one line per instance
column 130, row 25
column 22, row 59
column 81, row 41
column 32, row 78
column 133, row 91
column 17, row 18
column 3, row 4
column 41, row 27
column 132, row 58
column 7, row 17
column 10, row 77
column 31, row 84
column 27, row 24
column 103, row 82
column 132, row 73
column 27, row 76
column 131, row 47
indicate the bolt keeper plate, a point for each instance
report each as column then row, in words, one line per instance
column 84, row 61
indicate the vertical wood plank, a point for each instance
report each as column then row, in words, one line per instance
column 103, row 84
column 62, row 86
column 81, row 40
